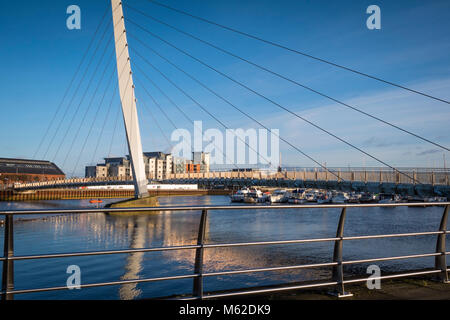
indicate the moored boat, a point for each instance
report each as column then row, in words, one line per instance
column 340, row 198
column 324, row 198
column 296, row 196
column 254, row 196
column 367, row 197
column 388, row 198
column 239, row 196
column 310, row 196
column 278, row 196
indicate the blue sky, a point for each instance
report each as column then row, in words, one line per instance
column 40, row 55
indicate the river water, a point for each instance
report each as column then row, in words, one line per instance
column 89, row 232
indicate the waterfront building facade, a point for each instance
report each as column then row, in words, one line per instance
column 158, row 166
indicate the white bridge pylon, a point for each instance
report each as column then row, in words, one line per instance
column 128, row 100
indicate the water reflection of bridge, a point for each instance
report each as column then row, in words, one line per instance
column 162, row 229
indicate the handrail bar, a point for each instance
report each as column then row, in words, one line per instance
column 393, row 276
column 106, row 252
column 411, row 256
column 200, row 208
column 302, row 266
column 324, row 284
column 211, row 274
column 394, row 235
column 219, row 245
column 103, row 284
column 305, row 286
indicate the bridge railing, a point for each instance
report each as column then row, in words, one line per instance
column 428, row 177
column 198, row 275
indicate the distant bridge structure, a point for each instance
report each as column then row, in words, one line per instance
column 434, row 183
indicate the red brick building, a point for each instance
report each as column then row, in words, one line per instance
column 21, row 170
column 193, row 168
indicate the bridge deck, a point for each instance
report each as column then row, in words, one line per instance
column 431, row 183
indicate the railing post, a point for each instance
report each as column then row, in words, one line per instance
column 441, row 261
column 338, row 270
column 8, row 264
column 198, row 269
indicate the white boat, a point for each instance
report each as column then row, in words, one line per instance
column 339, row 198
column 278, row 196
column 254, row 196
column 239, row 196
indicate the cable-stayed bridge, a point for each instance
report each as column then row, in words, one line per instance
column 102, row 59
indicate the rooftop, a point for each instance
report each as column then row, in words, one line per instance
column 25, row 166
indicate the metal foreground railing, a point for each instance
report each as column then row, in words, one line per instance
column 440, row 267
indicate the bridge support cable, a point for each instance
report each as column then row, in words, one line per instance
column 200, row 105
column 244, row 113
column 234, row 106
column 107, row 115
column 160, row 108
column 75, row 93
column 288, row 79
column 116, row 121
column 78, row 108
column 77, row 71
column 155, row 119
column 178, row 108
column 117, row 116
column 87, row 110
column 276, row 104
column 114, row 131
column 96, row 116
column 110, row 59
column 322, row 60
column 100, row 136
column 248, row 116
column 157, row 124
column 183, row 113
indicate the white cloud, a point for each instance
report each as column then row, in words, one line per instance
column 410, row 111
